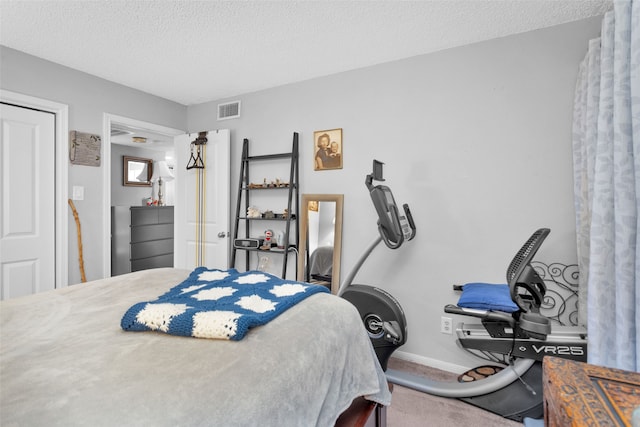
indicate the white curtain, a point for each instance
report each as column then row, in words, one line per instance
column 606, row 147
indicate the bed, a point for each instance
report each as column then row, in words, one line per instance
column 65, row 361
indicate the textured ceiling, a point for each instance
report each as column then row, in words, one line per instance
column 196, row 51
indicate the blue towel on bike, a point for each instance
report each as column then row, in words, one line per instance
column 487, row 296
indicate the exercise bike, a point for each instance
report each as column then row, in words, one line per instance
column 381, row 313
column 517, row 340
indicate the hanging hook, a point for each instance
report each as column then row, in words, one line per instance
column 196, row 162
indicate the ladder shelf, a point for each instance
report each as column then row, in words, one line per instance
column 245, row 189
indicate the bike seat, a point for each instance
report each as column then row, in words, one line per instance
column 518, row 302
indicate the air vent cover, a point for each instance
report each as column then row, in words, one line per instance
column 229, row 110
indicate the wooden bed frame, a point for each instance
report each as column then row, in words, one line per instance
column 364, row 413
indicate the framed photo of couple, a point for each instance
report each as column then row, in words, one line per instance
column 327, row 149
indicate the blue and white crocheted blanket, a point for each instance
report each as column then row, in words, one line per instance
column 221, row 304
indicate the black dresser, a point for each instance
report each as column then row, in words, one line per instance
column 141, row 238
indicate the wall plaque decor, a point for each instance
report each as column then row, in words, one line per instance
column 84, row 148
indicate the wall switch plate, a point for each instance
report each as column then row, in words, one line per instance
column 446, row 325
column 78, row 192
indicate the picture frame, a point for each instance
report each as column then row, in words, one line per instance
column 327, row 149
column 136, row 171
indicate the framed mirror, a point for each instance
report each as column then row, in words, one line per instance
column 137, row 171
column 321, row 239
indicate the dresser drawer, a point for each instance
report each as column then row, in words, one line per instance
column 143, row 216
column 165, row 215
column 151, row 248
column 153, row 262
column 151, row 232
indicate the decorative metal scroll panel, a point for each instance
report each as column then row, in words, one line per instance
column 561, row 300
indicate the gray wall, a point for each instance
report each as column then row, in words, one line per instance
column 477, row 140
column 88, row 98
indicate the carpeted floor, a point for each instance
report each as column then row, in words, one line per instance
column 410, row 408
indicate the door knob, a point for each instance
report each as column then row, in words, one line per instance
column 222, row 234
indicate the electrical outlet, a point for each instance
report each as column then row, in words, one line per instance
column 446, row 325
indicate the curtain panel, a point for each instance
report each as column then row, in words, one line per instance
column 606, row 154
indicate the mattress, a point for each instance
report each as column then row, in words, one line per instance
column 64, row 360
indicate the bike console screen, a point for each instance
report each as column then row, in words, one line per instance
column 393, row 226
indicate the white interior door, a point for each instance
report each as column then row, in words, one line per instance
column 27, row 213
column 201, row 229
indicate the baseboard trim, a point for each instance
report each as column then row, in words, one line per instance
column 433, row 363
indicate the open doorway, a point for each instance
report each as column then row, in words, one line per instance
column 129, row 137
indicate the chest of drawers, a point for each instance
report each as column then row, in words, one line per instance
column 142, row 238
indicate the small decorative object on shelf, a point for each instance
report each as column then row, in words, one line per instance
column 253, row 212
column 273, row 184
column 268, row 240
column 268, row 215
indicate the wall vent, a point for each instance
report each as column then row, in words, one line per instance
column 229, row 110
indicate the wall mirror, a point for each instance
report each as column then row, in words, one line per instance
column 321, row 239
column 137, row 171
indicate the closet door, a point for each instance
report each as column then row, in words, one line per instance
column 27, row 212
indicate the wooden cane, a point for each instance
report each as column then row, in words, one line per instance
column 80, row 258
